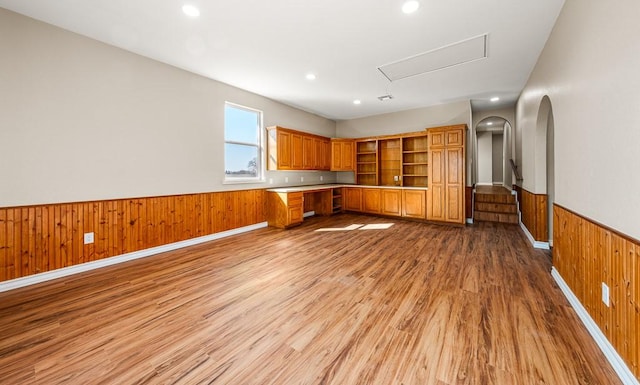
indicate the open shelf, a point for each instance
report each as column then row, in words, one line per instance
column 414, row 161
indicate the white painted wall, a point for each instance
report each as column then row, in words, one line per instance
column 485, row 158
column 589, row 70
column 81, row 120
column 406, row 121
column 497, row 144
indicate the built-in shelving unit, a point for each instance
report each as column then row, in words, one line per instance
column 390, row 162
column 415, row 161
column 336, row 200
column 367, row 162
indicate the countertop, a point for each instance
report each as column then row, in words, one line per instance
column 320, row 187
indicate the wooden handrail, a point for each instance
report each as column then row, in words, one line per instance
column 514, row 167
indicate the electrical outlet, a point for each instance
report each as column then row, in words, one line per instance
column 396, row 178
column 88, row 238
column 286, row 179
column 301, row 179
column 605, row 294
column 270, row 180
column 321, row 178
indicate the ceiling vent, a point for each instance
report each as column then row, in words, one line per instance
column 385, row 97
column 464, row 51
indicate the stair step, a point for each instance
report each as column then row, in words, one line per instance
column 510, row 208
column 495, row 198
column 495, row 217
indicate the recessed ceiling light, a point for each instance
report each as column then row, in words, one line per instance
column 311, row 76
column 357, row 101
column 495, row 99
column 190, row 10
column 410, row 6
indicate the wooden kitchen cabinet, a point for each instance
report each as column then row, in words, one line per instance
column 352, row 198
column 285, row 209
column 322, row 154
column 414, row 204
column 371, row 200
column 391, row 202
column 342, row 155
column 289, row 149
column 297, row 151
column 446, row 169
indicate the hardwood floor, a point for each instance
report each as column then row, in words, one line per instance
column 413, row 304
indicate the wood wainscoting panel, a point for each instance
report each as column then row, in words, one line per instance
column 534, row 214
column 41, row 238
column 588, row 254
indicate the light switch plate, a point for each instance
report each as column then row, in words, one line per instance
column 88, row 238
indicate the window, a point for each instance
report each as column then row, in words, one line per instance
column 242, row 144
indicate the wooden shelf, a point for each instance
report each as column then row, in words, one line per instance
column 414, row 161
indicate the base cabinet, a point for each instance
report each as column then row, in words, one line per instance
column 391, row 200
column 371, row 200
column 397, row 202
column 414, row 204
column 352, row 198
column 285, row 209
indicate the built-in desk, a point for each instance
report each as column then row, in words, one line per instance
column 285, row 203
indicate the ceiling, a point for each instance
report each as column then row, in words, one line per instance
column 268, row 47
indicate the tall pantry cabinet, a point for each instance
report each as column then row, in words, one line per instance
column 446, row 170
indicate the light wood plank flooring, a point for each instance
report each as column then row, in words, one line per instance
column 413, row 304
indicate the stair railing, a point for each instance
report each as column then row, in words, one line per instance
column 514, row 167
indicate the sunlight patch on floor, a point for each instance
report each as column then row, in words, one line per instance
column 376, row 226
column 348, row 228
column 373, row 226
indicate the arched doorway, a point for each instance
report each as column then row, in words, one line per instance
column 493, row 151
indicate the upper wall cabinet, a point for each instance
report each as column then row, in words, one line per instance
column 289, row 149
column 342, row 155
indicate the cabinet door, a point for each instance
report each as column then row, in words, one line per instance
column 436, row 138
column 283, row 150
column 414, row 204
column 455, row 185
column 436, row 192
column 391, row 200
column 322, row 154
column 336, row 156
column 295, row 208
column 297, row 152
column 348, row 156
column 454, row 137
column 371, row 200
column 342, row 156
column 308, row 153
column 352, row 198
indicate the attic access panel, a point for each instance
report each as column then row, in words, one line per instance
column 464, row 51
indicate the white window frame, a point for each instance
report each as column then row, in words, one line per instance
column 260, row 178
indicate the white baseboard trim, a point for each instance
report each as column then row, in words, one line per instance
column 75, row 269
column 308, row 214
column 536, row 244
column 608, row 350
column 470, row 221
column 484, row 184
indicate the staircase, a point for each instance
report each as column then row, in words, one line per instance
column 495, row 204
